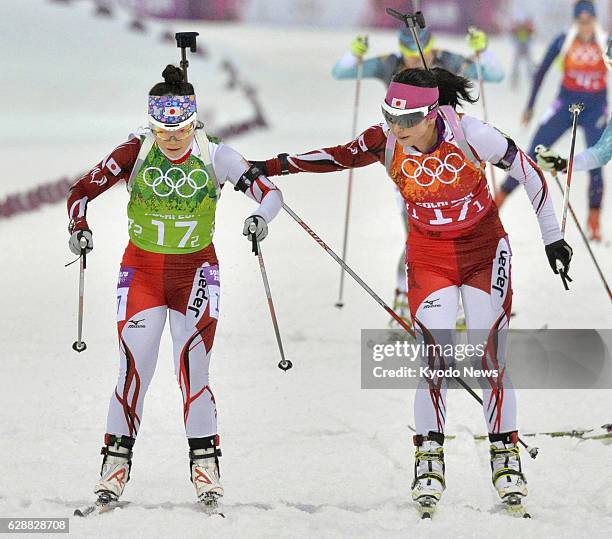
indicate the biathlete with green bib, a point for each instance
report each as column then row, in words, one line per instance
column 174, row 175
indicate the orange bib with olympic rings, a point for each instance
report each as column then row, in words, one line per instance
column 443, row 190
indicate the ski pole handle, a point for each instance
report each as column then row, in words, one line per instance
column 255, row 244
column 83, row 246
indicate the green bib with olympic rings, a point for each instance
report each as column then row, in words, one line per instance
column 172, row 206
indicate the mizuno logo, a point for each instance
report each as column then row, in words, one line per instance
column 430, row 303
column 136, row 323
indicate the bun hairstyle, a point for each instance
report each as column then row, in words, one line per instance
column 174, row 83
column 453, row 88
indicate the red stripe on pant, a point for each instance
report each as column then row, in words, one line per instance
column 497, row 387
column 434, row 389
column 129, row 410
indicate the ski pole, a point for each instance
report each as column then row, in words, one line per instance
column 484, row 107
column 347, row 213
column 79, row 345
column 284, row 364
column 347, row 268
column 588, row 244
column 575, row 109
column 583, row 236
column 533, row 451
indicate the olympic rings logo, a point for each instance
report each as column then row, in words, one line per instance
column 433, row 173
column 174, row 180
column 585, row 55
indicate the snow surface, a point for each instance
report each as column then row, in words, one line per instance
column 307, row 452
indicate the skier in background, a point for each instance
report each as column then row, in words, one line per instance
column 521, row 33
column 457, row 247
column 174, row 175
column 579, row 53
column 384, row 67
column 595, row 156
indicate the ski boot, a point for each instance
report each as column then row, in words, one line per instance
column 507, row 475
column 428, row 483
column 116, row 466
column 204, row 456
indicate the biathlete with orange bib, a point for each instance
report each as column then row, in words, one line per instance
column 580, row 53
column 457, row 246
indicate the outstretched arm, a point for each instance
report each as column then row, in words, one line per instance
column 552, row 52
column 598, row 155
column 115, row 167
column 230, row 166
column 595, row 156
column 380, row 67
column 492, row 71
column 367, row 148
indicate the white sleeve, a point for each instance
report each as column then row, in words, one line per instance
column 491, row 146
column 347, row 61
column 586, row 160
column 229, row 166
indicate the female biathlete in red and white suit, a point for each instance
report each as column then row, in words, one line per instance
column 456, row 245
column 169, row 269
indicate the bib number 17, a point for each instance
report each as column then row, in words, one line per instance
column 440, row 219
column 188, row 225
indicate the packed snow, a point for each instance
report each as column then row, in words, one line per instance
column 306, row 452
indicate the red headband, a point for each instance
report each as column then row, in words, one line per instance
column 405, row 96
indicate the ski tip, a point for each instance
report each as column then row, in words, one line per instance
column 83, row 512
column 514, row 506
column 426, row 505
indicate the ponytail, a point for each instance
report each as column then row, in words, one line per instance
column 173, row 84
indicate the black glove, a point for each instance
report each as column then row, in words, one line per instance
column 559, row 250
column 261, row 165
column 278, row 166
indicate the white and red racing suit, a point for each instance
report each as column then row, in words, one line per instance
column 457, row 245
column 159, row 280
